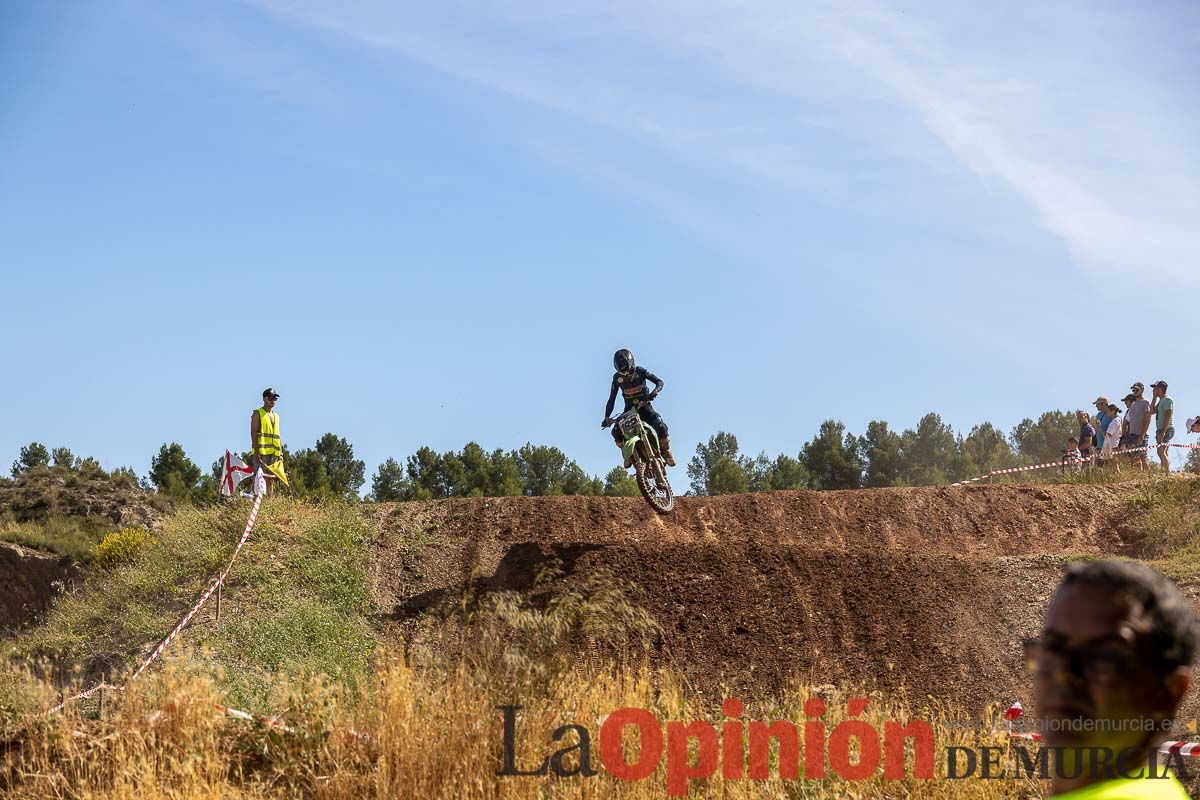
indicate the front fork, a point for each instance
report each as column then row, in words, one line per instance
column 652, row 462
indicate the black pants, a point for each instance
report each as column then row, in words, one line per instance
column 649, row 416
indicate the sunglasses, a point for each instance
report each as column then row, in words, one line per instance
column 1098, row 662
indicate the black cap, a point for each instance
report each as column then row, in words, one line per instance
column 1130, row 398
column 1158, row 385
column 1137, row 386
column 269, row 392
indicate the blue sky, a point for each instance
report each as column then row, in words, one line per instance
column 434, row 224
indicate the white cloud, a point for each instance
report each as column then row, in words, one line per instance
column 1102, row 154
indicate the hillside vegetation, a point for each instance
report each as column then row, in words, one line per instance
column 296, row 602
column 67, row 508
column 386, row 635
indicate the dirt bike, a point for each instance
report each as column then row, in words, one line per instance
column 640, row 446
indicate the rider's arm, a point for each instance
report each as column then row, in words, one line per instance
column 612, row 399
column 658, row 382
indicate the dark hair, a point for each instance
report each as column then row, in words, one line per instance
column 1173, row 627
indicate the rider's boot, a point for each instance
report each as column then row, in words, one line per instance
column 628, row 458
column 666, row 451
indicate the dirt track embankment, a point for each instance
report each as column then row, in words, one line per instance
column 30, row 581
column 925, row 590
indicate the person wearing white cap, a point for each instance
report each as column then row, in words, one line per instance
column 1193, row 426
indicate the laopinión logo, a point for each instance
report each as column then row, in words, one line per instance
column 742, row 750
column 1069, row 762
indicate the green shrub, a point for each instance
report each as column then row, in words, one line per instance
column 122, row 546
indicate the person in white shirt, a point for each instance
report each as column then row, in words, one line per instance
column 1112, row 436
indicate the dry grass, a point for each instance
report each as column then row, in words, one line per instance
column 1168, row 517
column 423, row 734
column 73, row 537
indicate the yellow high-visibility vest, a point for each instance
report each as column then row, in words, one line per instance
column 268, row 443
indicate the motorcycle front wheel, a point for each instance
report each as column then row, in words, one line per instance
column 657, row 491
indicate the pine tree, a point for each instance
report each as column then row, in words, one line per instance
column 832, row 458
column 882, row 450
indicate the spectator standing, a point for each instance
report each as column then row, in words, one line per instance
column 1128, row 401
column 1103, row 417
column 1115, row 654
column 1071, row 455
column 1112, row 437
column 1193, row 461
column 1087, row 435
column 266, row 446
column 1139, row 425
column 1163, row 409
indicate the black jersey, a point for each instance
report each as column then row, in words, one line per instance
column 633, row 384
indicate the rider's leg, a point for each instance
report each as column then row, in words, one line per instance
column 655, row 420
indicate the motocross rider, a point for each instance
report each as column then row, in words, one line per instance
column 631, row 379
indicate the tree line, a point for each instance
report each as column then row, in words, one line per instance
column 930, row 454
column 329, row 469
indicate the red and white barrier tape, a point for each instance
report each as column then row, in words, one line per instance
column 1072, row 462
column 207, row 594
column 275, row 723
column 158, row 651
column 1016, row 709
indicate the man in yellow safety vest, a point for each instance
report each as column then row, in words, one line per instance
column 266, row 446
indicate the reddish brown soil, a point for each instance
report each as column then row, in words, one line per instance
column 30, row 580
column 927, row 591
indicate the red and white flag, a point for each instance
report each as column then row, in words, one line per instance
column 233, row 472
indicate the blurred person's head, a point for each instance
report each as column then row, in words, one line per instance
column 1137, row 389
column 1193, row 424
column 1114, row 659
column 1101, row 404
column 1129, row 398
column 1072, row 443
column 1160, row 388
column 1083, row 416
column 1112, row 409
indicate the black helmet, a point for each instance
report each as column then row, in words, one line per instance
column 623, row 361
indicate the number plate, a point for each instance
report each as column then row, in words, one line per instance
column 629, row 424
